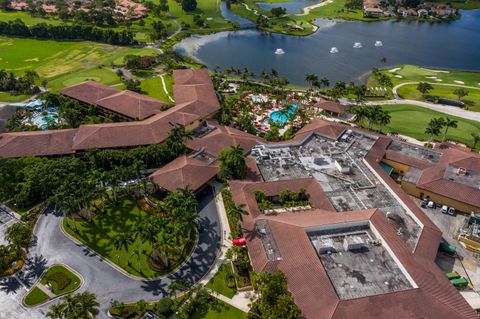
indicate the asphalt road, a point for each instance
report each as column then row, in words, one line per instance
column 52, row 246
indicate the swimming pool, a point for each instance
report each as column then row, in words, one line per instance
column 282, row 118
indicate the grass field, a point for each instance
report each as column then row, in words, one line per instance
column 221, row 310
column 7, row 97
column 64, row 63
column 413, row 73
column 437, row 77
column 35, row 297
column 218, row 284
column 100, row 233
column 412, row 121
column 153, row 87
column 410, row 92
column 50, row 277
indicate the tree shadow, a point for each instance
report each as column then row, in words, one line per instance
column 9, row 285
column 156, row 287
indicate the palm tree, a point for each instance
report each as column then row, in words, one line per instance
column 325, row 82
column 434, row 127
column 56, row 311
column 123, row 240
column 311, row 78
column 449, row 123
column 86, row 305
column 476, row 138
column 177, row 137
column 238, row 211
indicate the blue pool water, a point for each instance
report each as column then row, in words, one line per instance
column 281, row 118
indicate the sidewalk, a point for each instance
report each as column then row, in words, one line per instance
column 241, row 299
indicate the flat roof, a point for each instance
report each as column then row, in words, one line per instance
column 339, row 167
column 367, row 270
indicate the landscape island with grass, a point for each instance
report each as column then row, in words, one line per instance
column 271, row 159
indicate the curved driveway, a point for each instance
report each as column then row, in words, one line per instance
column 105, row 281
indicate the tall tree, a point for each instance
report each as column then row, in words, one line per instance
column 461, row 93
column 424, row 87
column 449, row 123
column 232, row 163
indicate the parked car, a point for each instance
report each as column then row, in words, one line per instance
column 431, row 204
column 444, row 209
column 451, row 211
column 424, row 203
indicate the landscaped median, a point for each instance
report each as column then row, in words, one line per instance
column 138, row 242
column 58, row 280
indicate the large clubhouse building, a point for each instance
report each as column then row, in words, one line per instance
column 361, row 248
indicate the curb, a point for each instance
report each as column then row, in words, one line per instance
column 76, row 273
column 118, row 268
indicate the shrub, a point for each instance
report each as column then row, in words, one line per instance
column 60, row 279
column 164, row 306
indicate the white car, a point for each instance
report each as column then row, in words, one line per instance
column 430, row 204
column 444, row 209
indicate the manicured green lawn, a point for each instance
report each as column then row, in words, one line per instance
column 26, row 17
column 221, row 310
column 64, row 63
column 410, row 92
column 412, row 120
column 218, row 283
column 35, row 297
column 413, row 73
column 52, row 277
column 153, row 87
column 100, row 232
column 7, row 97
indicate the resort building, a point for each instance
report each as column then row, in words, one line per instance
column 126, row 104
column 196, row 101
column 360, row 247
column 449, row 176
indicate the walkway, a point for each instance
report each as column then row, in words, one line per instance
column 100, row 278
column 165, row 88
column 240, row 300
column 47, row 291
column 447, row 109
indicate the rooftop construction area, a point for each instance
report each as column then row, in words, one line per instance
column 356, row 262
column 339, row 168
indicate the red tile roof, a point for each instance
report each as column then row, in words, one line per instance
column 126, row 103
column 152, row 130
column 433, row 178
column 89, row 92
column 222, row 137
column 184, row 172
column 309, row 283
column 331, row 106
column 38, row 143
column 328, row 129
column 131, row 104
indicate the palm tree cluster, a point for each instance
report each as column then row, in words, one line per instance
column 436, row 125
column 314, row 81
column 382, row 78
column 168, row 232
column 25, row 84
column 373, row 115
column 78, row 306
column 232, row 163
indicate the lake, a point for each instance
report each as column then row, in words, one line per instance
column 447, row 45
